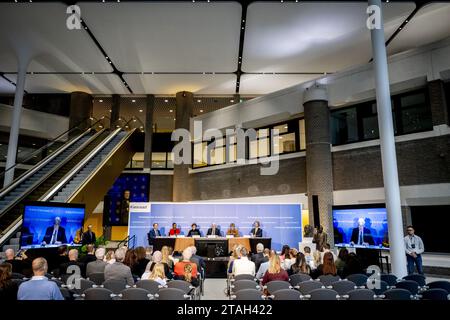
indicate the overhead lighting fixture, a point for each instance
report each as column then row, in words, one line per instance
column 100, row 100
column 133, row 101
column 33, row 144
column 170, row 110
column 199, row 100
column 285, row 127
column 165, row 100
column 110, row 110
column 231, row 100
column 174, row 119
column 134, row 120
column 140, row 110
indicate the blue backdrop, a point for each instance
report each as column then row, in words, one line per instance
column 281, row 222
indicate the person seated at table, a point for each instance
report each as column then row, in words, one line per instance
column 213, row 231
column 233, row 231
column 194, row 231
column 256, row 231
column 174, row 231
column 154, row 232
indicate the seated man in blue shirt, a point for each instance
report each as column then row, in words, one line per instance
column 39, row 287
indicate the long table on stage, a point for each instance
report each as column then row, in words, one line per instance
column 181, row 243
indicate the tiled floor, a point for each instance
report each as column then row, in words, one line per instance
column 215, row 289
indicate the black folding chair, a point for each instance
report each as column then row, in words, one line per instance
column 116, row 286
column 441, row 284
column 359, row 279
column 295, row 279
column 328, row 279
column 248, row 294
column 98, row 294
column 98, row 278
column 172, row 294
column 276, row 285
column 409, row 285
column 343, row 287
column 308, row 286
column 135, row 294
column 420, row 279
column 286, row 294
column 150, row 285
column 323, row 294
column 244, row 284
column 398, row 294
column 435, row 294
column 391, row 279
column 188, row 288
column 243, row 277
column 360, row 294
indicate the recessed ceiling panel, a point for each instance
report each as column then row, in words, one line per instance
column 312, row 37
column 167, row 37
column 430, row 24
column 38, row 31
column 173, row 83
column 266, row 83
column 61, row 83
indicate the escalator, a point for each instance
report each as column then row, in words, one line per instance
column 36, row 182
column 91, row 179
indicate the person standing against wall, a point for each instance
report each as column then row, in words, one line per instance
column 414, row 248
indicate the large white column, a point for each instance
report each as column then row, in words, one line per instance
column 387, row 145
column 15, row 124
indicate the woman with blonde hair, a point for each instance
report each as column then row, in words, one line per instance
column 110, row 257
column 166, row 257
column 275, row 272
column 158, row 274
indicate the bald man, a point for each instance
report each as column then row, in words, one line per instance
column 17, row 265
column 39, row 287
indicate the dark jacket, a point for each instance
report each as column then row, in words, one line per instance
column 216, row 232
column 259, row 258
column 88, row 238
column 367, row 236
column 256, row 233
column 195, row 232
column 61, row 235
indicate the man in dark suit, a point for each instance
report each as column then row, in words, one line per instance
column 362, row 235
column 256, row 231
column 88, row 236
column 68, row 268
column 55, row 234
column 198, row 260
column 153, row 234
column 213, row 230
column 259, row 256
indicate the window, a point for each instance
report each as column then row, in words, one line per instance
column 302, row 134
column 413, row 112
column 344, row 126
column 159, row 160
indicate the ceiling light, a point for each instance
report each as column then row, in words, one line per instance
column 100, row 100
column 100, row 126
column 140, row 110
column 285, row 127
column 134, row 120
column 201, row 110
column 199, row 100
column 110, row 110
column 170, row 110
column 133, row 101
column 91, row 118
column 165, row 100
column 231, row 100
column 33, row 144
column 174, row 119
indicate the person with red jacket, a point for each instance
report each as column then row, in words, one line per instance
column 174, row 231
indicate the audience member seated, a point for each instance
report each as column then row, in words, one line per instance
column 179, row 267
column 284, row 252
column 341, row 261
column 97, row 266
column 199, row 261
column 90, row 255
column 167, row 256
column 275, row 272
column 327, row 248
column 62, row 256
column 265, row 265
column 232, row 230
column 141, row 260
column 109, row 257
column 16, row 264
column 131, row 261
column 327, row 267
column 300, row 265
column 157, row 274
column 8, row 287
column 39, row 287
column 289, row 260
column 243, row 265
column 317, row 258
column 73, row 261
column 188, row 275
column 156, row 259
column 118, row 270
column 309, row 257
column 353, row 265
column 235, row 254
column 259, row 256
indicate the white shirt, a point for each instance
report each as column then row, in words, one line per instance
column 414, row 244
column 243, row 266
column 287, row 263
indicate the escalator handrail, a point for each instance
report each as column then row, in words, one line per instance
column 48, row 144
column 52, row 192
column 26, row 192
column 102, row 163
column 41, row 164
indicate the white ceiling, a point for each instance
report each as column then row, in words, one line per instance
column 167, row 37
column 199, row 37
column 38, row 30
column 312, row 37
column 171, row 83
column 60, row 83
